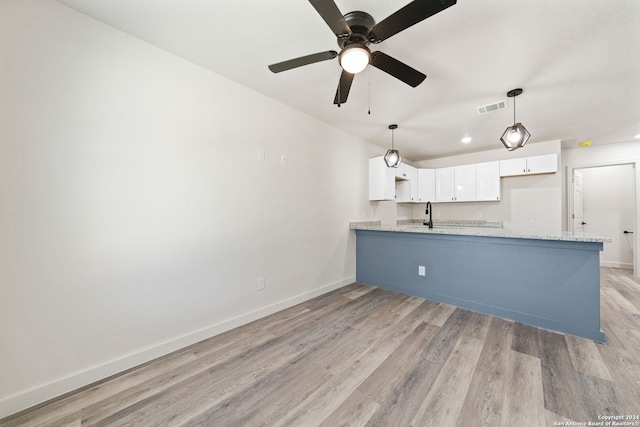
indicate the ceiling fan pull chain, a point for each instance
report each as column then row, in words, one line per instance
column 369, row 71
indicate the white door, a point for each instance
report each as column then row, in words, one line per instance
column 578, row 201
column 608, row 211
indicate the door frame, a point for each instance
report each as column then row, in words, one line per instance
column 636, row 201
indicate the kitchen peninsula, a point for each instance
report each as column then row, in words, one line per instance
column 549, row 280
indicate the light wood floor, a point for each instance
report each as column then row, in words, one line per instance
column 366, row 356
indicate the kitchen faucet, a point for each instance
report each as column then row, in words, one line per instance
column 428, row 211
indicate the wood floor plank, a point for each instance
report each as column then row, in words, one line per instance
column 367, row 356
column 174, row 405
column 401, row 405
column 560, row 383
column 523, row 394
column 586, row 358
column 355, row 411
column 484, row 401
column 624, row 367
column 439, row 313
column 446, row 398
column 478, row 326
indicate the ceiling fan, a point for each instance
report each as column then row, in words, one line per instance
column 355, row 31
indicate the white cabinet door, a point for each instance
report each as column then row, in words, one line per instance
column 382, row 185
column 547, row 163
column 426, row 185
column 488, row 181
column 415, row 184
column 402, row 171
column 445, row 184
column 406, row 184
column 465, row 183
column 513, row 167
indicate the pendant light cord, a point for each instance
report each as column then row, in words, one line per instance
column 514, row 110
column 393, row 147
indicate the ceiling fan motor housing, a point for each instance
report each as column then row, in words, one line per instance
column 361, row 24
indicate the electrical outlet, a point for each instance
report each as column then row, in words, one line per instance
column 260, row 283
column 532, row 223
column 480, row 215
column 261, row 154
column 421, row 270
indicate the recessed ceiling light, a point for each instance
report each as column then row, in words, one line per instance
column 466, row 140
column 585, row 144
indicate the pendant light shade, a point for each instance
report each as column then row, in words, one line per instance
column 393, row 157
column 515, row 136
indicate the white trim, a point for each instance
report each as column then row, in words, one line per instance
column 26, row 399
column 616, row 264
column 636, row 187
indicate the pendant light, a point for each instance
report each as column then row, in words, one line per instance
column 515, row 136
column 393, row 157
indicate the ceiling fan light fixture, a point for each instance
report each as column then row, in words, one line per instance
column 393, row 157
column 354, row 58
column 515, row 136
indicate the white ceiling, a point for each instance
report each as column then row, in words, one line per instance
column 578, row 62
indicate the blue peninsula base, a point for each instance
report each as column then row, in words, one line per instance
column 545, row 283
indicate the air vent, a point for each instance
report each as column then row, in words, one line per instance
column 489, row 108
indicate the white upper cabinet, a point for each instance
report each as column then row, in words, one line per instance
column 399, row 184
column 547, row 163
column 445, row 185
column 465, row 179
column 475, row 182
column 456, row 184
column 513, row 167
column 426, row 185
column 406, row 184
column 382, row 181
column 488, row 181
column 403, row 171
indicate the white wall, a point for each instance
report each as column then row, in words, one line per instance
column 135, row 217
column 608, row 211
column 524, row 198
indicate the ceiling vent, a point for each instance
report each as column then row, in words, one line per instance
column 489, row 108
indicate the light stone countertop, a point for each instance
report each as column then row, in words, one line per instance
column 476, row 228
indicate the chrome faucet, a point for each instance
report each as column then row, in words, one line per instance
column 428, row 211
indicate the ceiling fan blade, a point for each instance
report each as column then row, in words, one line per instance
column 409, row 15
column 397, row 69
column 343, row 88
column 303, row 60
column 332, row 16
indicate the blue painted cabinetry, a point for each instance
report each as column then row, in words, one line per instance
column 546, row 283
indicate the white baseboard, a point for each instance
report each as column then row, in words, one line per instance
column 616, row 264
column 26, row 399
